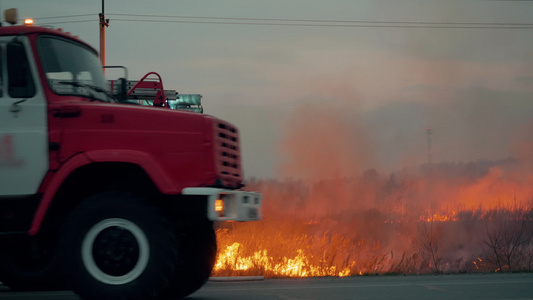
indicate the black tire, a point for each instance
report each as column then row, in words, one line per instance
column 31, row 265
column 198, row 250
column 117, row 246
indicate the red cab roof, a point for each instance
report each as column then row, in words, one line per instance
column 30, row 29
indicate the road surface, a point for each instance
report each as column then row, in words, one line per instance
column 434, row 287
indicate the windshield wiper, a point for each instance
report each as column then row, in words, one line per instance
column 91, row 87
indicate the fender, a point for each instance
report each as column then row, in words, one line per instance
column 151, row 166
column 145, row 161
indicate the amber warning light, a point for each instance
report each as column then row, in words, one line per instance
column 28, row 21
column 219, row 207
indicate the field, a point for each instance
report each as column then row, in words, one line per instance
column 452, row 218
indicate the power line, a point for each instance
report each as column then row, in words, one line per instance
column 296, row 22
column 66, row 22
column 328, row 21
column 362, row 25
column 61, row 17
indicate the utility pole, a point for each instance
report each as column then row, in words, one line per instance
column 103, row 23
column 429, row 131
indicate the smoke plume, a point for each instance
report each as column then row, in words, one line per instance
column 357, row 194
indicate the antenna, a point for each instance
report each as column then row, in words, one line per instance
column 429, row 131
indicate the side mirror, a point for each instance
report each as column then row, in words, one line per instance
column 121, row 93
column 123, row 90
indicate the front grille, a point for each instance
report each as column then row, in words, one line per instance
column 227, row 153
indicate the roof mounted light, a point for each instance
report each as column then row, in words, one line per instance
column 28, row 21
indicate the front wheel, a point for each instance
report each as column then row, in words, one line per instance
column 117, row 246
column 198, row 250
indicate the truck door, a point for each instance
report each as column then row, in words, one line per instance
column 23, row 122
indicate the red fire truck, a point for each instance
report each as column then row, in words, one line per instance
column 99, row 194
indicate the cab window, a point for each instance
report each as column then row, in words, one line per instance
column 20, row 81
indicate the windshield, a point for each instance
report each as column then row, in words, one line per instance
column 72, row 69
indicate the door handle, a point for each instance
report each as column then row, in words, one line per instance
column 15, row 107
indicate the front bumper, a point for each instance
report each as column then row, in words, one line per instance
column 229, row 205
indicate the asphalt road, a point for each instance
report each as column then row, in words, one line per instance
column 463, row 286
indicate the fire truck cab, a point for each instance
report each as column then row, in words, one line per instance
column 110, row 199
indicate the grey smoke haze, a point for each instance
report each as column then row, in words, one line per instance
column 472, row 124
column 476, row 124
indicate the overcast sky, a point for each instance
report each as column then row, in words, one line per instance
column 377, row 84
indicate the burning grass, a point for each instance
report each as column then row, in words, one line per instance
column 401, row 224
